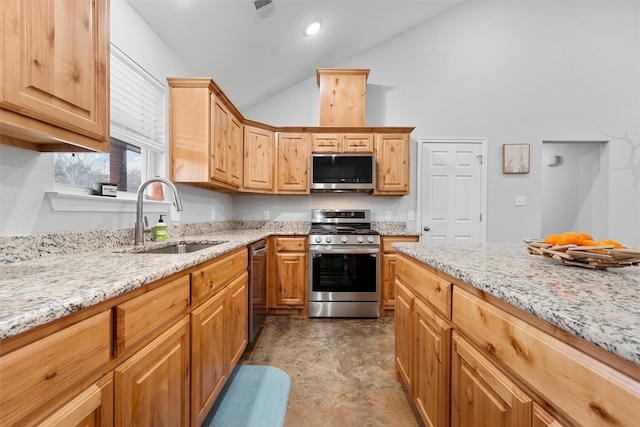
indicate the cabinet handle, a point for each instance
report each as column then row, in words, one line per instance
column 426, row 228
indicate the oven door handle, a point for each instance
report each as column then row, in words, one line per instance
column 315, row 253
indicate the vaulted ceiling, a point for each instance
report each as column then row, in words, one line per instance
column 253, row 57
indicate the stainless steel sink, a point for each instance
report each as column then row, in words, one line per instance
column 180, row 248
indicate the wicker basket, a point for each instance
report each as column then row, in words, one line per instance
column 595, row 257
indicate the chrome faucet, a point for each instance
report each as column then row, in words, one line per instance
column 139, row 228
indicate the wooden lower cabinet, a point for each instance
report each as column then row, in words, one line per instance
column 423, row 355
column 469, row 359
column 237, row 327
column 152, row 387
column 404, row 335
column 481, row 394
column 432, row 364
column 288, row 275
column 38, row 378
column 210, row 369
column 388, row 272
column 92, row 407
column 219, row 336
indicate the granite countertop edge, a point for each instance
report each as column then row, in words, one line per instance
column 600, row 306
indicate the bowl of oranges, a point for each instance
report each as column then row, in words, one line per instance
column 581, row 249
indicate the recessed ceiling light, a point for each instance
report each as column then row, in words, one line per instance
column 313, row 28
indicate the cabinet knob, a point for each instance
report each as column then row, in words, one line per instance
column 426, row 228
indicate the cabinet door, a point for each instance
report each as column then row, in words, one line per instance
column 235, row 152
column 293, row 163
column 258, row 159
column 392, row 164
column 190, row 105
column 152, row 386
column 91, row 408
column 238, row 317
column 55, row 65
column 357, row 143
column 209, row 370
column 388, row 282
column 432, row 364
column 404, row 334
column 389, row 270
column 291, row 279
column 220, row 118
column 481, row 394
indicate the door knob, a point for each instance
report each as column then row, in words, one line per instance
column 426, row 228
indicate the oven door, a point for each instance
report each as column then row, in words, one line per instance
column 341, row 273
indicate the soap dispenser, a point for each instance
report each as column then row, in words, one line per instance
column 160, row 230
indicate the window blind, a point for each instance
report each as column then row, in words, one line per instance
column 137, row 103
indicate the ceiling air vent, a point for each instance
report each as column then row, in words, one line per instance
column 263, row 9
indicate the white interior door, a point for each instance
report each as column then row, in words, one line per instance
column 452, row 193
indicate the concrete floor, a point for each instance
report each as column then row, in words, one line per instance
column 341, row 370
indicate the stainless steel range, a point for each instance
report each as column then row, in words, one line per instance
column 344, row 264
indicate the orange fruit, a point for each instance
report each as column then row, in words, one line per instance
column 585, row 236
column 589, row 242
column 551, row 239
column 569, row 238
column 608, row 242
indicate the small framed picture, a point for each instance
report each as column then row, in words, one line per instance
column 515, row 158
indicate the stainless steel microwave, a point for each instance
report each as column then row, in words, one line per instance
column 343, row 172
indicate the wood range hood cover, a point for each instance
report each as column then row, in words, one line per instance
column 343, row 95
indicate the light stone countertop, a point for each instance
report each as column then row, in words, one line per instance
column 38, row 291
column 600, row 306
column 44, row 277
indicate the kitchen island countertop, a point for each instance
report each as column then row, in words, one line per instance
column 600, row 306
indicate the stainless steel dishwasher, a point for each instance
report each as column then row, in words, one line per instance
column 257, row 287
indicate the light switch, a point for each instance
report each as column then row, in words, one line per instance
column 265, row 215
column 520, row 201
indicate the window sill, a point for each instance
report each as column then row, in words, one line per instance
column 67, row 202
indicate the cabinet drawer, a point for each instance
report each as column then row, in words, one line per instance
column 210, row 279
column 387, row 241
column 140, row 316
column 38, row 373
column 326, row 143
column 579, row 386
column 291, row 244
column 426, row 285
column 357, row 143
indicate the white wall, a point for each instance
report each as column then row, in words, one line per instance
column 512, row 72
column 25, row 176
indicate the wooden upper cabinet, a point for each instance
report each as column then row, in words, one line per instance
column 259, row 156
column 326, row 142
column 342, row 142
column 357, row 143
column 292, row 163
column 54, row 93
column 392, row 151
column 226, row 145
column 342, row 96
column 205, row 135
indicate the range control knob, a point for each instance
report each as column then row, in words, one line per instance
column 359, row 239
column 327, row 239
column 344, row 239
column 370, row 239
column 318, row 239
